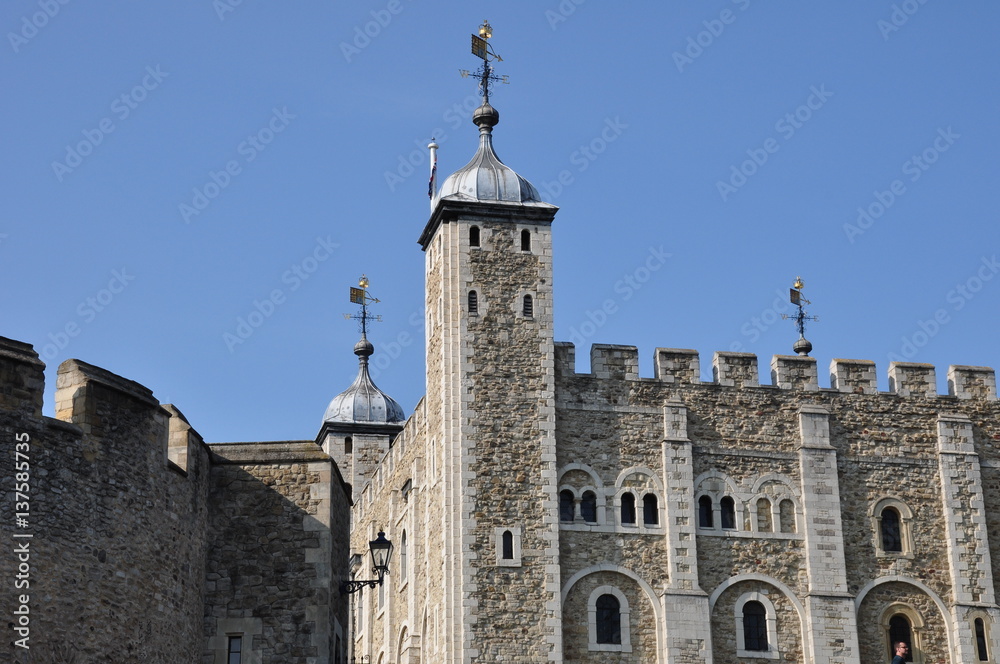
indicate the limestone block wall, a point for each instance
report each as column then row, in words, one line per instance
column 277, row 552
column 118, row 529
column 746, row 442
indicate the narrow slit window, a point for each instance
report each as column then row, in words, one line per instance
column 891, row 540
column 348, row 445
column 235, row 650
column 474, row 236
column 473, row 302
column 525, row 240
column 528, row 307
column 566, row 505
column 508, row 545
column 982, row 652
column 728, row 506
column 764, row 515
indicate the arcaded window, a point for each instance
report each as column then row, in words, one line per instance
column 705, row 512
column 650, row 510
column 764, row 515
column 628, row 509
column 786, row 512
column 474, row 236
column 508, row 545
column 588, row 507
column 473, row 302
column 609, row 620
column 234, row 653
column 754, row 627
column 528, row 308
column 525, row 240
column 728, row 513
column 892, row 540
column 566, row 505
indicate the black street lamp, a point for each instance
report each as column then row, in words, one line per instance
column 381, row 550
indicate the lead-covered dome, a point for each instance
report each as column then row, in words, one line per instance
column 363, row 402
column 486, row 178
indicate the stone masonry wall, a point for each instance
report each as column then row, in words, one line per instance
column 118, row 531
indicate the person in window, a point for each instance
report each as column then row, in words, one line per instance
column 901, row 650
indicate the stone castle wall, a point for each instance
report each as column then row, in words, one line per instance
column 118, row 528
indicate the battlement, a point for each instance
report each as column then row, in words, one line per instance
column 682, row 366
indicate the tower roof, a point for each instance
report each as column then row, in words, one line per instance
column 485, row 178
column 363, row 402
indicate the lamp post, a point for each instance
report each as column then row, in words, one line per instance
column 381, row 550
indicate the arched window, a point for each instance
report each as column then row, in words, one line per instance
column 348, row 445
column 528, row 308
column 588, row 507
column 473, row 302
column 402, row 557
column 786, row 511
column 609, row 620
column 567, row 505
column 754, row 627
column 705, row 512
column 899, row 630
column 650, row 510
column 763, row 515
column 982, row 651
column 728, row 515
column 628, row 509
column 525, row 240
column 891, row 536
column 508, row 545
column 474, row 236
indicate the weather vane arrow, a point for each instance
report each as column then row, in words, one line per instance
column 362, row 297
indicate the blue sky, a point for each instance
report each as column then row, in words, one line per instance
column 172, row 168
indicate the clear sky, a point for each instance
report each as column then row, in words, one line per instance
column 175, row 171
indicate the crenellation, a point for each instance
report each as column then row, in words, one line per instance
column 794, row 372
column 679, row 366
column 735, row 369
column 854, row 376
column 614, row 362
column 912, row 379
column 967, row 382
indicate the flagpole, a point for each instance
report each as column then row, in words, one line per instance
column 432, row 184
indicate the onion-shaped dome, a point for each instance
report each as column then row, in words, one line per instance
column 363, row 402
column 486, row 178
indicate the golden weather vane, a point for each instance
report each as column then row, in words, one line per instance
column 802, row 346
column 362, row 297
column 481, row 49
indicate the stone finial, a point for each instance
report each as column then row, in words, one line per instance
column 680, row 366
column 735, row 369
column 855, row 376
column 967, row 382
column 912, row 379
column 794, row 372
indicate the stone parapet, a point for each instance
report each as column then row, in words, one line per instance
column 615, row 362
column 911, row 378
column 677, row 365
column 967, row 382
column 735, row 369
column 855, row 376
column 794, row 372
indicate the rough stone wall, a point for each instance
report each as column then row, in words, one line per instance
column 276, row 555
column 118, row 531
column 933, row 639
column 643, row 638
